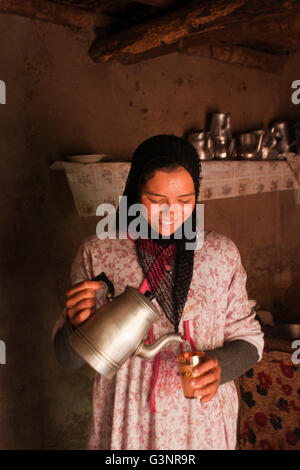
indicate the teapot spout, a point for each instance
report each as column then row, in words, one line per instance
column 148, row 351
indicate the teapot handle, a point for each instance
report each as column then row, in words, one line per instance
column 149, row 295
column 111, row 290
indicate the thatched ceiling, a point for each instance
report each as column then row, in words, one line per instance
column 251, row 33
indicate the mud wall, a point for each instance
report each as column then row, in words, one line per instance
column 59, row 102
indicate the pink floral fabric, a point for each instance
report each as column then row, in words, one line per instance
column 218, row 310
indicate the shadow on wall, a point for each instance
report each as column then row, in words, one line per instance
column 288, row 309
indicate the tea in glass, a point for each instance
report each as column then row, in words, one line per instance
column 186, row 362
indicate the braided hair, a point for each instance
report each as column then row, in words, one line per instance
column 171, row 286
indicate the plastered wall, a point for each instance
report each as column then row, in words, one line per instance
column 59, row 102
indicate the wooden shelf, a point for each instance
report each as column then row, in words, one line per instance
column 96, row 183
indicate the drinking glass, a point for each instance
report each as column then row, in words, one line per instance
column 186, row 362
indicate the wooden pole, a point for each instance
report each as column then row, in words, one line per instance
column 53, row 13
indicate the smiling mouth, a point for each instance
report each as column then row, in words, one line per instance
column 168, row 223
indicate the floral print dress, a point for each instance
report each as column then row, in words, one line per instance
column 217, row 311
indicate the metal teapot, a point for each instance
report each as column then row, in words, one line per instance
column 117, row 330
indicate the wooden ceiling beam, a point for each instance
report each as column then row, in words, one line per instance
column 242, row 56
column 230, row 54
column 207, row 18
column 50, row 12
column 276, row 35
column 161, row 31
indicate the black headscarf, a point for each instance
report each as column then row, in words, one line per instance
column 171, row 290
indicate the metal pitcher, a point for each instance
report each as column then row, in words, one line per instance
column 117, row 330
column 250, row 144
column 224, row 148
column 281, row 132
column 202, row 141
column 268, row 145
column 220, row 126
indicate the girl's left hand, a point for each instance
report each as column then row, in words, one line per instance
column 207, row 385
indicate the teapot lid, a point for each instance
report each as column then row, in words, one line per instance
column 152, row 309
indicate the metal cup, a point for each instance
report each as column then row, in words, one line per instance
column 247, row 145
column 280, row 130
column 203, row 143
column 220, row 127
column 250, row 144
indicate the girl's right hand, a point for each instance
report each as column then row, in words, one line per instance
column 80, row 299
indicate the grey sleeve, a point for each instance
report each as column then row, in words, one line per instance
column 65, row 354
column 235, row 358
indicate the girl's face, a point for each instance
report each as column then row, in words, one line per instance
column 169, row 198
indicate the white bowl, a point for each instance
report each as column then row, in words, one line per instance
column 93, row 158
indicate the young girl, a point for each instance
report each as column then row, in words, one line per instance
column 201, row 294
